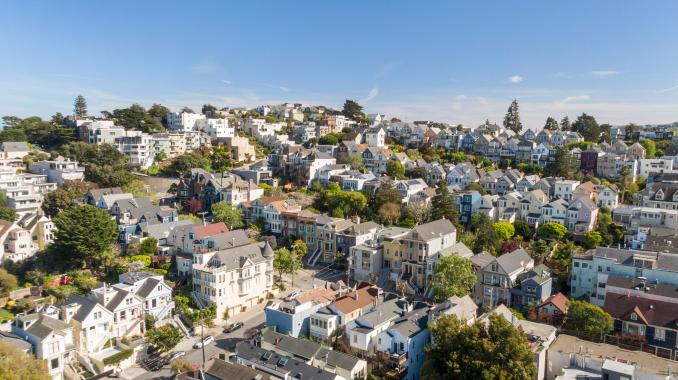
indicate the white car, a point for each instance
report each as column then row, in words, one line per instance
column 204, row 342
column 292, row 295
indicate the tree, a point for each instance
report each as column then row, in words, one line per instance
column 104, row 164
column 565, row 124
column 606, row 133
column 229, row 214
column 509, row 246
column 564, row 165
column 7, row 282
column 475, row 186
column 165, row 337
column 505, row 230
column 187, row 161
column 180, row 365
column 588, row 318
column 551, row 231
column 286, row 262
column 512, row 118
column 395, row 169
column 341, row 202
column 551, row 124
column 650, row 148
column 85, row 234
column 208, row 109
column 187, row 110
column 352, row 109
column 592, row 239
column 588, row 127
column 487, row 238
column 136, row 187
column 7, row 213
column 356, row 162
column 328, row 139
column 386, row 193
column 453, row 275
column 443, row 206
column 496, row 350
column 220, row 158
column 18, row 365
column 136, row 117
column 389, row 213
column 80, row 106
column 148, row 246
column 159, row 111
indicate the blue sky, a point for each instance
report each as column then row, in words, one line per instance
column 458, row 62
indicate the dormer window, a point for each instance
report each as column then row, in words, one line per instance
column 659, row 195
column 633, row 317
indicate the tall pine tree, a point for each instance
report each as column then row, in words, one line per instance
column 442, row 205
column 512, row 118
column 551, row 124
column 565, row 124
column 80, row 106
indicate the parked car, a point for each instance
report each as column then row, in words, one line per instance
column 233, row 327
column 293, row 294
column 204, row 342
column 175, row 356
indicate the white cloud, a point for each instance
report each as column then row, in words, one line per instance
column 604, row 73
column 515, row 79
column 461, row 97
column 576, row 98
column 456, row 106
column 669, row 89
column 226, row 82
column 481, row 100
column 284, row 89
column 374, row 92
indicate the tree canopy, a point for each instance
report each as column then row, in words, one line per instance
column 497, row 350
column 18, row 365
column 80, row 106
column 512, row 118
column 588, row 127
column 85, row 234
column 443, row 206
column 136, row 117
column 453, row 276
column 551, row 124
column 551, row 231
column 588, row 318
column 340, row 202
column 165, row 337
column 505, row 230
column 104, row 164
column 229, row 214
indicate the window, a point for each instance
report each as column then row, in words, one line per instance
column 659, row 334
column 633, row 317
column 355, row 338
column 54, row 363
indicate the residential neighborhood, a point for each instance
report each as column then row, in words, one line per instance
column 422, row 204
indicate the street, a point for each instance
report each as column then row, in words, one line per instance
column 253, row 320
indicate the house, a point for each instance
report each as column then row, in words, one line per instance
column 641, row 308
column 344, row 365
column 468, row 202
column 531, row 206
column 240, row 147
column 276, row 365
column 554, row 306
column 564, row 189
column 533, row 287
column 93, row 195
column 127, row 309
column 461, row 307
column 496, row 276
column 590, row 270
column 51, row 339
column 581, row 215
column 409, row 187
column 16, row 243
column 572, row 358
column 92, row 323
column 183, row 121
column 58, row 171
column 555, row 211
column 294, row 317
column 154, row 293
column 362, row 332
column 375, row 137
column 234, row 279
column 230, row 188
column 540, row 336
column 403, row 343
column 13, row 150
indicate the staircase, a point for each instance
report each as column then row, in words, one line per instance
column 177, row 322
column 163, row 313
column 313, row 258
column 383, row 277
column 198, row 301
column 87, row 363
column 132, row 327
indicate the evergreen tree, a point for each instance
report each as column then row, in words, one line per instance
column 588, row 127
column 443, row 205
column 512, row 118
column 80, row 106
column 551, row 124
column 565, row 124
column 564, row 165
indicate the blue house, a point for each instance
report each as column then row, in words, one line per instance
column 293, row 317
column 534, row 287
column 468, row 204
column 639, row 307
column 405, row 341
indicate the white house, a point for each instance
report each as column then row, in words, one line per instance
column 127, row 309
column 58, row 171
column 183, row 121
column 16, row 243
column 375, row 137
column 155, row 294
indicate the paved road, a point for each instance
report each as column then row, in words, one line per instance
column 253, row 320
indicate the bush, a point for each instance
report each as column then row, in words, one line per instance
column 117, row 358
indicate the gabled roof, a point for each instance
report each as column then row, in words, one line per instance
column 514, row 261
column 209, row 229
column 43, row 326
column 558, row 300
column 432, row 230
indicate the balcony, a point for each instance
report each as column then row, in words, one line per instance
column 396, row 365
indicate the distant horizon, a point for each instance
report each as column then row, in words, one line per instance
column 459, row 63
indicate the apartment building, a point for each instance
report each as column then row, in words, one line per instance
column 58, row 171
